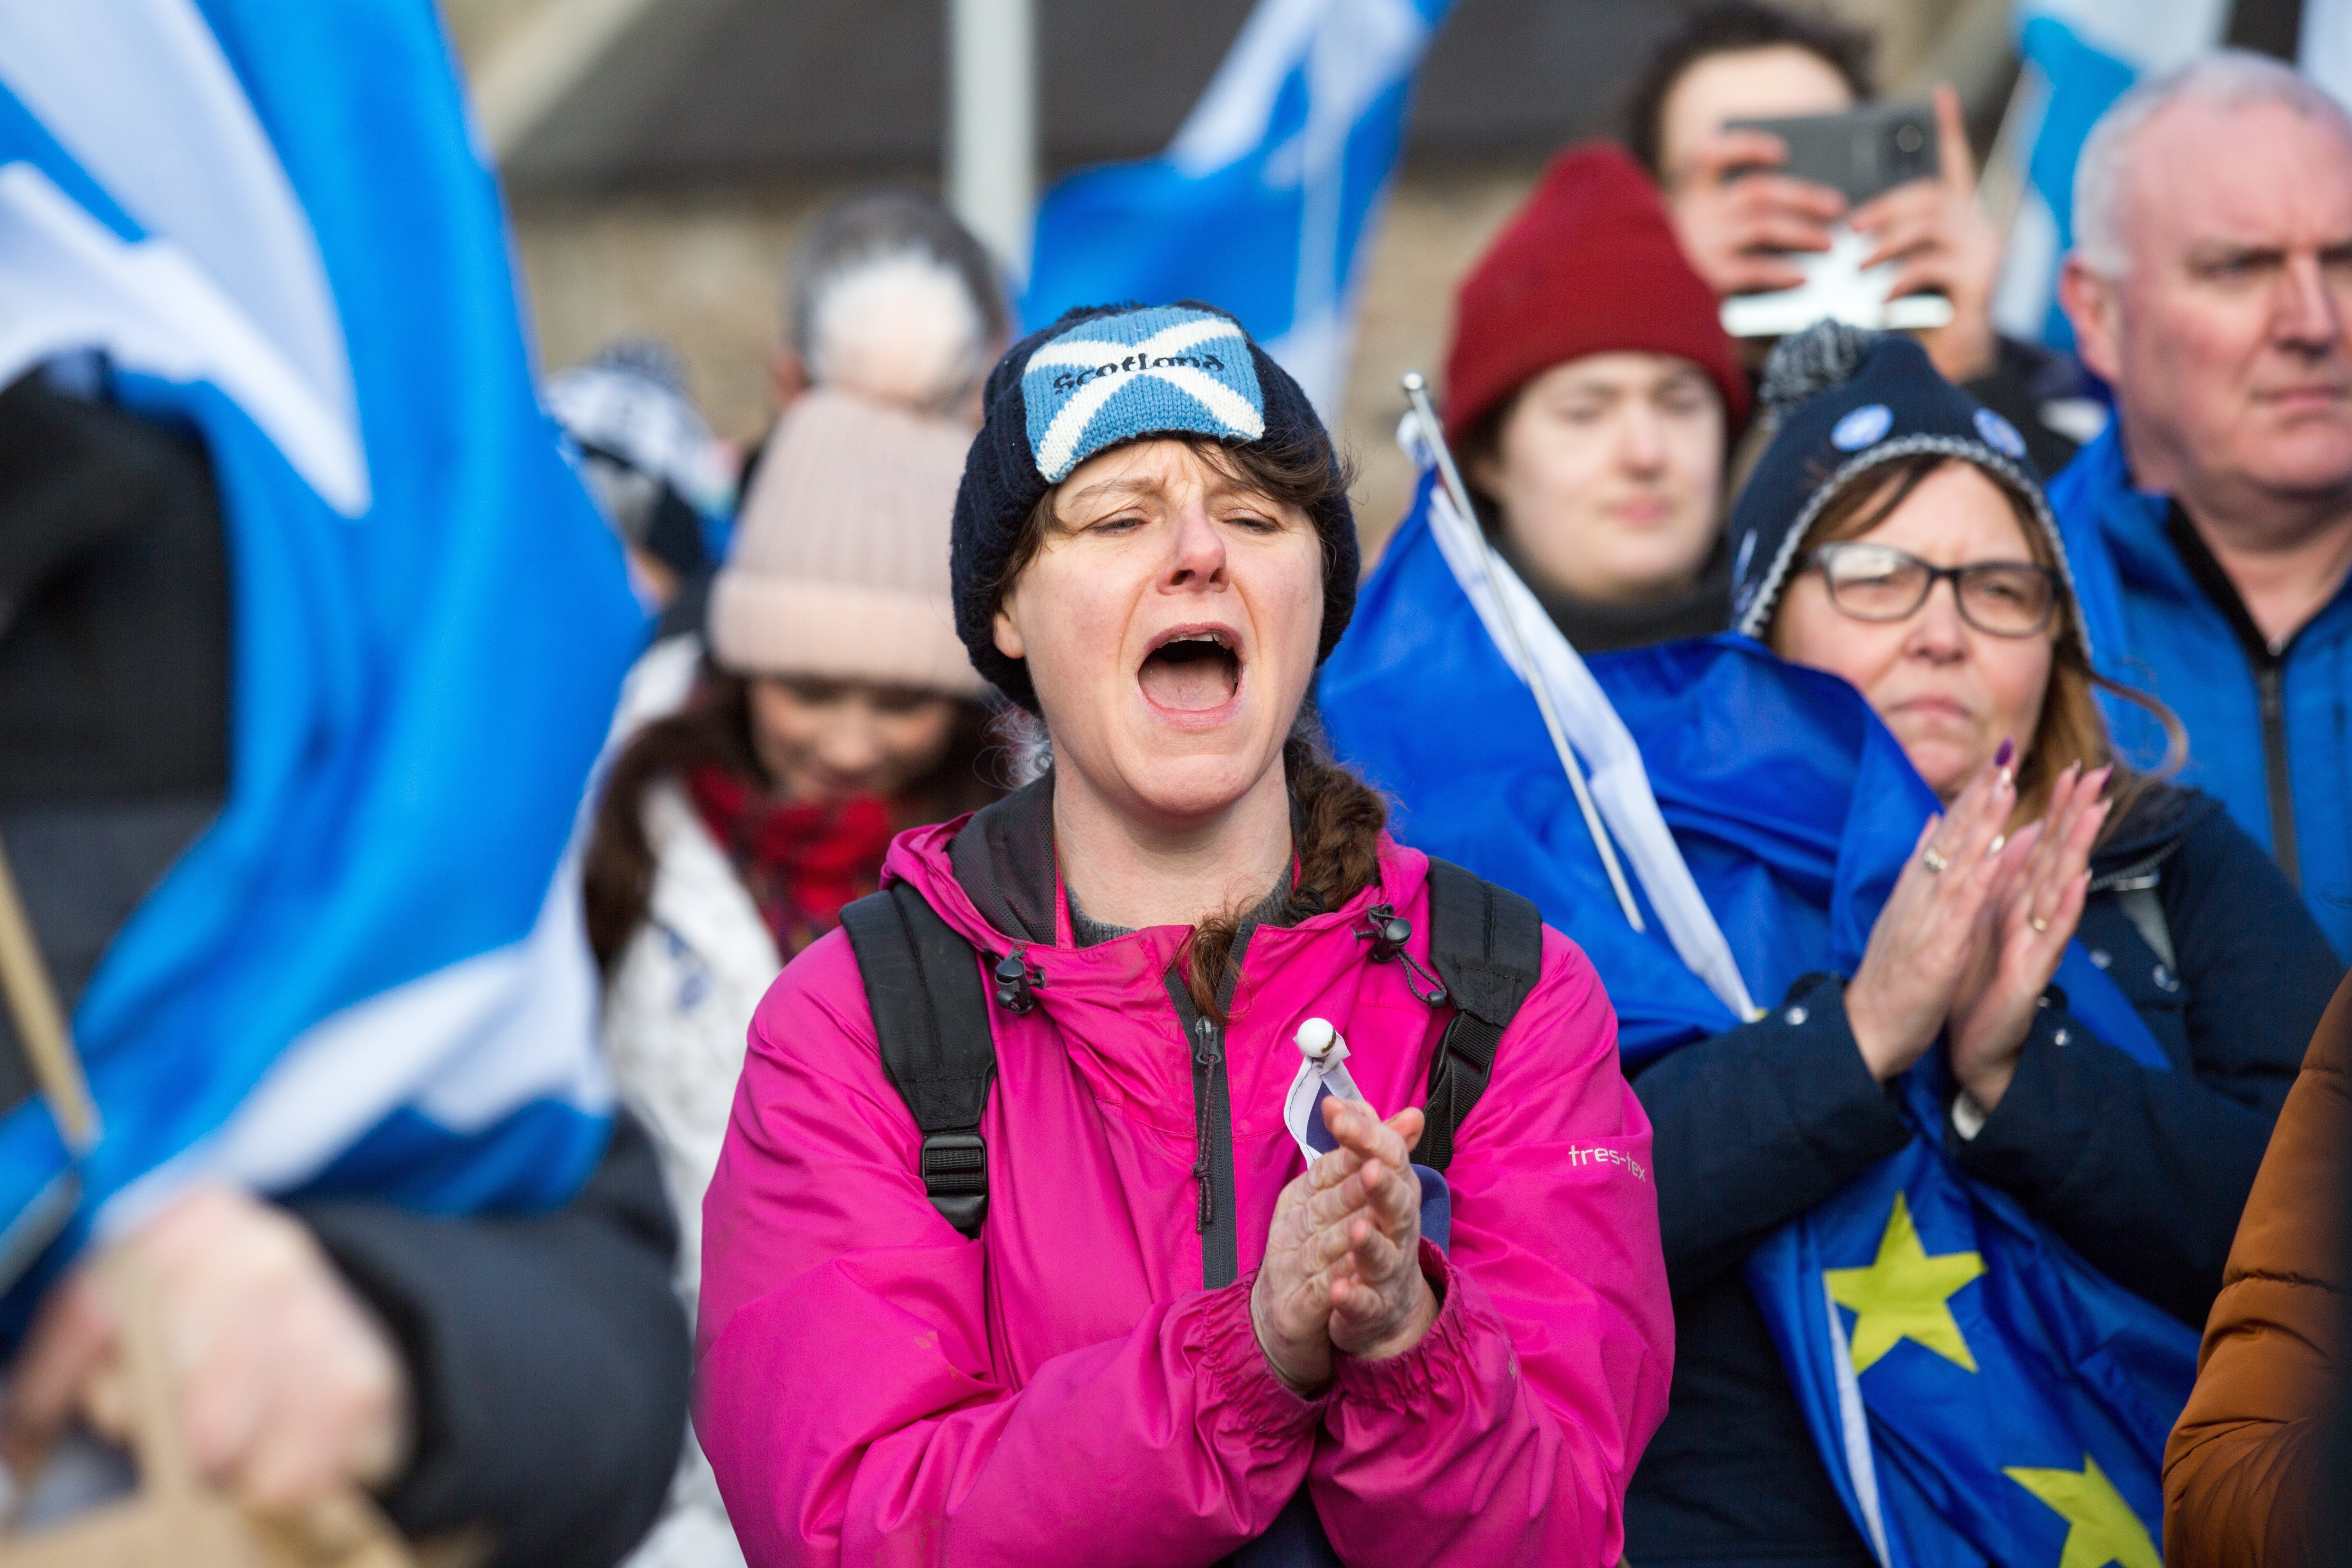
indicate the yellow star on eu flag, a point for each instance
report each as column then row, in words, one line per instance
column 2101, row 1528
column 1904, row 1294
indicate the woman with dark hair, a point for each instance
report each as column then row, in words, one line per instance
column 832, row 709
column 1187, row 1295
column 1895, row 535
column 1746, row 225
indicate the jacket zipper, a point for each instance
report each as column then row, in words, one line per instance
column 1212, row 1125
column 2270, row 680
column 2269, row 667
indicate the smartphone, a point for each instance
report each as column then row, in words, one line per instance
column 1860, row 151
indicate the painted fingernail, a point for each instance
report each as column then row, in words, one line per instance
column 1993, row 849
column 2008, row 750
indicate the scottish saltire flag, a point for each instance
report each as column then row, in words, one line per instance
column 367, row 975
column 1110, row 378
column 1977, row 1393
column 1265, row 201
column 2079, row 57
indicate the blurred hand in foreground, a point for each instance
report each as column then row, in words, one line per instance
column 288, row 1388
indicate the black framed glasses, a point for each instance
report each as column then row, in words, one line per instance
column 1880, row 582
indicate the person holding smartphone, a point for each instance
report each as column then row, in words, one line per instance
column 1744, row 227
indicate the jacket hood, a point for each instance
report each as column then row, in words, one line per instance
column 2160, row 819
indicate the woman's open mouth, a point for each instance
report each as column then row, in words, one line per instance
column 1192, row 670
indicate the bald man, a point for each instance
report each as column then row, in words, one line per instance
column 2212, row 286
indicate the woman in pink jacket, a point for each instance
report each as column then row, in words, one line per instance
column 1173, row 1339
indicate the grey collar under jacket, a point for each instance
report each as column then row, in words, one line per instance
column 1004, row 860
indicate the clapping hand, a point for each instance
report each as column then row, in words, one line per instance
column 2046, row 878
column 1342, row 1269
column 1926, row 944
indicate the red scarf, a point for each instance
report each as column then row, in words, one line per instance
column 802, row 861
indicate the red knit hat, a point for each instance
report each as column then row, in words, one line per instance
column 1589, row 266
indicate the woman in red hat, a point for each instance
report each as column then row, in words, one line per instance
column 1591, row 398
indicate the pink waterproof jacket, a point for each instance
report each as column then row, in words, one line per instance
column 875, row 1388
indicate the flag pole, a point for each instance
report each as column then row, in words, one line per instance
column 1416, row 390
column 991, row 143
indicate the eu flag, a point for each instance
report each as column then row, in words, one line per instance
column 1978, row 1394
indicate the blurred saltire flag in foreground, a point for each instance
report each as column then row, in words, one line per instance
column 2079, row 58
column 1262, row 204
column 367, row 975
column 1977, row 1393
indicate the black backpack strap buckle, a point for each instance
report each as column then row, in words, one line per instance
column 954, row 1168
column 929, row 1002
column 1487, row 944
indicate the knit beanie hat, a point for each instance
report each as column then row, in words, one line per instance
column 839, row 564
column 1589, row 266
column 1101, row 376
column 1846, row 401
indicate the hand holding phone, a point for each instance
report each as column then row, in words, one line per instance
column 1906, row 245
column 1941, row 243
column 1741, row 217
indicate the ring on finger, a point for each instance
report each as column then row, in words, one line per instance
column 2037, row 923
column 1934, row 859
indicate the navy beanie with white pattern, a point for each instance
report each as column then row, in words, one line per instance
column 1844, row 401
column 1100, row 376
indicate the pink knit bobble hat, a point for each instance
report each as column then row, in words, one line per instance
column 839, row 568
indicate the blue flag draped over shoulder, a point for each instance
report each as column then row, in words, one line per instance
column 1978, row 1392
column 1262, row 203
column 367, row 975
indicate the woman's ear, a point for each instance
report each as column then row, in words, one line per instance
column 1484, row 472
column 1006, row 632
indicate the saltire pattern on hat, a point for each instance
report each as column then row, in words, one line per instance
column 1977, row 1392
column 1262, row 202
column 367, row 975
column 1112, row 378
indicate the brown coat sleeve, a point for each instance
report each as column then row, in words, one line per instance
column 2240, row 1471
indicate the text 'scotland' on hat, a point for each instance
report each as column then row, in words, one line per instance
column 1114, row 378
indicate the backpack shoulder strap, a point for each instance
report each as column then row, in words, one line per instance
column 930, row 1015
column 1487, row 944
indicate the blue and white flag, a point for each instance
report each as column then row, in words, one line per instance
column 1977, row 1393
column 2080, row 56
column 275, row 225
column 1265, row 201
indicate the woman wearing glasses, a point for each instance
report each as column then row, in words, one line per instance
column 1896, row 536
